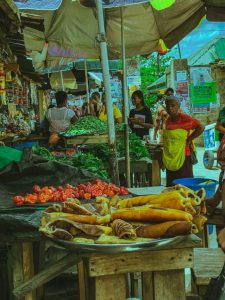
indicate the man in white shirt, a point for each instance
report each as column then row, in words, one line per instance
column 59, row 117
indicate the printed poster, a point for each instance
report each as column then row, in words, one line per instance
column 204, row 93
column 181, row 76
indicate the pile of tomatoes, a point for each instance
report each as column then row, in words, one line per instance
column 60, row 194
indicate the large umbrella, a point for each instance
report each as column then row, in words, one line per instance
column 71, row 32
column 72, row 29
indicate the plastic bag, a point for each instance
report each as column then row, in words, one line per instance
column 216, row 288
column 8, row 155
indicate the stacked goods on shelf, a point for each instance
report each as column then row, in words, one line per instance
column 2, row 85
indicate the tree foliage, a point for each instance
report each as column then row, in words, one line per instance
column 152, row 67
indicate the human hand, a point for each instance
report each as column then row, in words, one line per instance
column 135, row 121
column 221, row 239
column 189, row 141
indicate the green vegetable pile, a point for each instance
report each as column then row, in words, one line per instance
column 43, row 152
column 88, row 125
column 85, row 161
column 138, row 149
column 89, row 162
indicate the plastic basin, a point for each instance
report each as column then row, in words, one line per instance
column 26, row 145
column 198, row 183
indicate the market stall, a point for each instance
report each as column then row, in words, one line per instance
column 169, row 248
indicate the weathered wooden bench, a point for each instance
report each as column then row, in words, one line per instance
column 208, row 264
column 144, row 172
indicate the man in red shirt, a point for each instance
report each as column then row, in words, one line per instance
column 178, row 134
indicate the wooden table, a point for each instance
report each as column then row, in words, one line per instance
column 13, row 140
column 104, row 276
column 103, row 139
column 89, row 139
column 162, row 273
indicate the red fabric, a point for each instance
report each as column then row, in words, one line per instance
column 185, row 122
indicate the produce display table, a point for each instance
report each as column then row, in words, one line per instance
column 103, row 139
column 103, row 276
column 12, row 140
column 87, row 139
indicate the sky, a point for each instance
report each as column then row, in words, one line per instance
column 195, row 40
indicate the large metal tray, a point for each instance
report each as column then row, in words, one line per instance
column 119, row 248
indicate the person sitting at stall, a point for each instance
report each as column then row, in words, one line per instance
column 59, row 117
column 179, row 131
column 103, row 112
column 84, row 109
column 169, row 92
column 140, row 118
column 94, row 104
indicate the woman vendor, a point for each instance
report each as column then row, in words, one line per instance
column 103, row 112
column 59, row 117
column 140, row 118
column 179, row 131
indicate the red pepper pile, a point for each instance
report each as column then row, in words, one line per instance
column 60, row 194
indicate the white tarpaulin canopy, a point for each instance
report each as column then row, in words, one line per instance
column 71, row 30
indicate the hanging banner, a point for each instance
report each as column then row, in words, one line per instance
column 200, row 75
column 204, row 93
column 181, row 76
column 182, row 89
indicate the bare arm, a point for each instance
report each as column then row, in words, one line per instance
column 118, row 120
column 156, row 129
column 141, row 123
column 197, row 132
column 221, row 238
column 74, row 119
column 146, row 125
column 220, row 128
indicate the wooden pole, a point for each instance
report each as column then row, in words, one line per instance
column 86, row 83
column 62, row 81
column 125, row 101
column 106, row 80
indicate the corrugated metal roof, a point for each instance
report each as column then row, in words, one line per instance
column 212, row 51
column 160, row 81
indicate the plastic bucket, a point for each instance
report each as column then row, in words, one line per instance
column 198, row 183
column 26, row 145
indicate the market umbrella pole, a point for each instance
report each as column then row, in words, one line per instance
column 125, row 101
column 86, row 83
column 106, row 80
column 62, row 81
